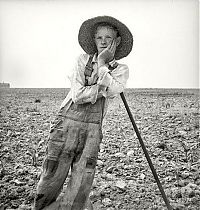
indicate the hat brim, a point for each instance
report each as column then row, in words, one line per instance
column 86, row 38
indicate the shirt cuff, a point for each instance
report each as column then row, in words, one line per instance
column 111, row 63
column 105, row 78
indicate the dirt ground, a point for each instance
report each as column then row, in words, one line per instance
column 168, row 121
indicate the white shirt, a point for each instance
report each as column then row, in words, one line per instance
column 113, row 82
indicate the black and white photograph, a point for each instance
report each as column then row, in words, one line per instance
column 99, row 105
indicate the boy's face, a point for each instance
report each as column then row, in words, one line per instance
column 103, row 37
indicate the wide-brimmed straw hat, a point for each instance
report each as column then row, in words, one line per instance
column 86, row 36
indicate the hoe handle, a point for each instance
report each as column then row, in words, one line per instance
column 145, row 152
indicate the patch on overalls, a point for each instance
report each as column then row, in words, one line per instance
column 81, row 144
column 91, row 162
column 39, row 196
column 67, row 154
column 50, row 167
column 55, row 145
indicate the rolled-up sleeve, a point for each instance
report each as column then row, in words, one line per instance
column 115, row 80
column 79, row 92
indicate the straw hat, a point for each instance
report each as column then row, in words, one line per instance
column 86, row 36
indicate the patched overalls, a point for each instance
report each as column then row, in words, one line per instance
column 74, row 142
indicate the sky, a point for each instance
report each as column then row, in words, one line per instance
column 39, row 41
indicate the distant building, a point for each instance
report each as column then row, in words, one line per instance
column 4, row 85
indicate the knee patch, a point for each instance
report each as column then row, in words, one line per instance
column 91, row 162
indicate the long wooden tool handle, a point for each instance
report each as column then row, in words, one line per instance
column 146, row 152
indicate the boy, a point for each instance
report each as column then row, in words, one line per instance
column 76, row 133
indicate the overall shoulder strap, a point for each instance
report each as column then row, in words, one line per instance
column 88, row 69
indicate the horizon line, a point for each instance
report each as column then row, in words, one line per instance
column 124, row 89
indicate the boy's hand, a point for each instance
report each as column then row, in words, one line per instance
column 107, row 54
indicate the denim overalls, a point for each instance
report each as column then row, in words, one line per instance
column 74, row 143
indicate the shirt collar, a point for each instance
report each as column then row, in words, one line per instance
column 94, row 60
